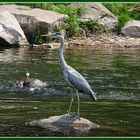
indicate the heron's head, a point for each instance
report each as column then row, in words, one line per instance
column 57, row 35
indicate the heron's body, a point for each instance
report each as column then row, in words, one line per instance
column 75, row 80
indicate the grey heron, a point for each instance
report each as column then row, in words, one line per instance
column 75, row 80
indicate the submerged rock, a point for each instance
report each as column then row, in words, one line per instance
column 131, row 28
column 29, row 82
column 10, row 30
column 64, row 123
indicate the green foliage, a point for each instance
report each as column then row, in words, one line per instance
column 45, row 6
column 92, row 27
column 122, row 19
column 124, row 12
column 34, row 36
column 72, row 23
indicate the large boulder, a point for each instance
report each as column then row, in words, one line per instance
column 30, row 18
column 131, row 28
column 10, row 30
column 97, row 11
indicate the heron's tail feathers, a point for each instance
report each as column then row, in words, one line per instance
column 93, row 96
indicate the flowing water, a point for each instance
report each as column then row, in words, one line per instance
column 113, row 73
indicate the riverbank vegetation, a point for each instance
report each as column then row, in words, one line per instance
column 124, row 12
column 74, row 26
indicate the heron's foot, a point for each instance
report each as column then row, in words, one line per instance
column 69, row 113
column 78, row 117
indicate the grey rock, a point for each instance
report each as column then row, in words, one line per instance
column 64, row 123
column 37, row 83
column 29, row 18
column 10, row 30
column 29, row 82
column 131, row 28
column 97, row 11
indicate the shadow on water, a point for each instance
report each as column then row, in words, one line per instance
column 113, row 74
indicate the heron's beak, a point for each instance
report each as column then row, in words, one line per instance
column 46, row 35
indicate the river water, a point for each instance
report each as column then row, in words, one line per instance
column 114, row 74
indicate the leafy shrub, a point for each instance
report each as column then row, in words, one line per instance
column 122, row 19
column 92, row 27
column 34, row 36
column 72, row 23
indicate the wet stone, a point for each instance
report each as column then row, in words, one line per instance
column 64, row 123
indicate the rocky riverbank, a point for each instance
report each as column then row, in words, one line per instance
column 105, row 40
column 17, row 22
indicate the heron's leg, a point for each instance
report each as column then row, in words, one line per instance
column 78, row 99
column 71, row 100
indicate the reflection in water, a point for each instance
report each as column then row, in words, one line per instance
column 112, row 73
column 10, row 55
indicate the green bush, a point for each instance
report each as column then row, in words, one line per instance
column 122, row 19
column 92, row 27
column 34, row 36
column 72, row 23
column 39, row 5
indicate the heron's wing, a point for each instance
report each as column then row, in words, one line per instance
column 78, row 81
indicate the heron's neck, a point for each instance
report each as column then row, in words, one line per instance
column 60, row 54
